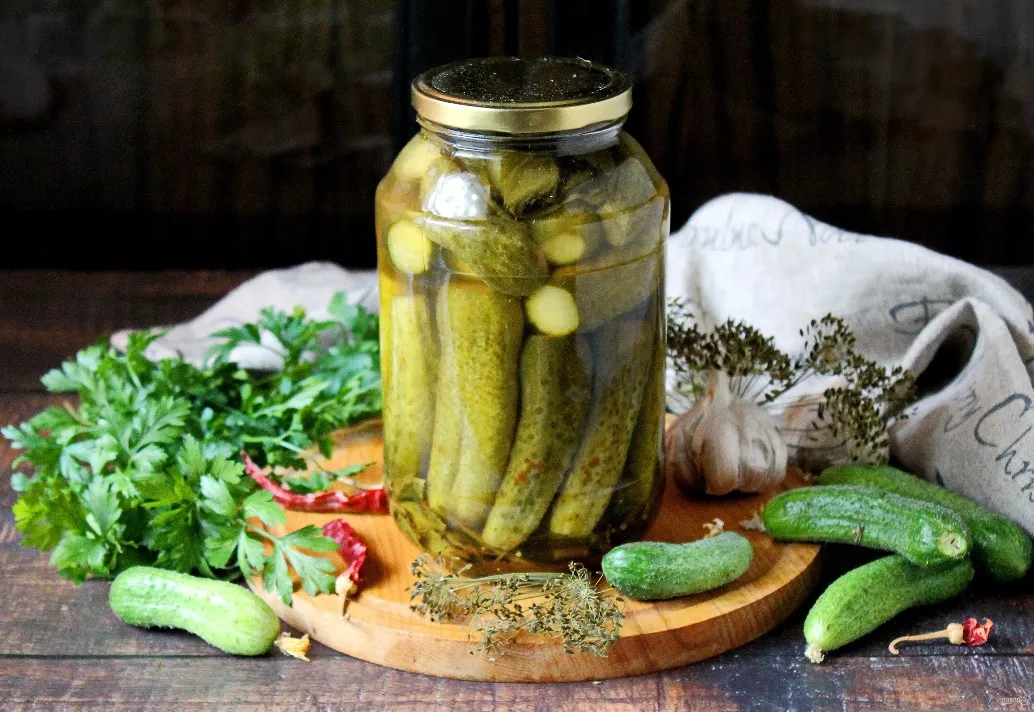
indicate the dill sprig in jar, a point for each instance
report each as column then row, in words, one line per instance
column 521, row 260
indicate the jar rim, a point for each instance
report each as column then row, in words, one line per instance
column 513, row 95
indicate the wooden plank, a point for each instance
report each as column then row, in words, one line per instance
column 47, row 615
column 341, row 683
column 46, row 316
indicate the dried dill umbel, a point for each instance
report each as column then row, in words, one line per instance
column 850, row 417
column 567, row 607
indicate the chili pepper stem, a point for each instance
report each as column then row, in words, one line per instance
column 953, row 633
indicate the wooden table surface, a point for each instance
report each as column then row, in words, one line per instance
column 62, row 648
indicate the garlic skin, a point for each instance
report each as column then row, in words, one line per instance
column 724, row 444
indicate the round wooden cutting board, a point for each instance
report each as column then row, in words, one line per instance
column 379, row 627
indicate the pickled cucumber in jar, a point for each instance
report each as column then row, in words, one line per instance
column 521, row 268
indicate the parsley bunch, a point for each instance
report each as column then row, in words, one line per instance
column 145, row 468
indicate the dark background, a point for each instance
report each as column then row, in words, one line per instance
column 250, row 133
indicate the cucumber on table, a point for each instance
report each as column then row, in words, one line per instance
column 867, row 597
column 1000, row 546
column 926, row 534
column 654, row 571
column 226, row 615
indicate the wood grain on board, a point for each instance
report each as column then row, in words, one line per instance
column 378, row 625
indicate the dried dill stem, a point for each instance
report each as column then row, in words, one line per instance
column 855, row 413
column 568, row 607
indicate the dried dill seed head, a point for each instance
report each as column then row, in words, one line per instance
column 568, row 607
column 855, row 412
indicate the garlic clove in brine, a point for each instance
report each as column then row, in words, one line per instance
column 724, row 444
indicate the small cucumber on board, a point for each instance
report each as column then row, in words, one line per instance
column 655, row 571
column 226, row 615
column 926, row 534
column 1000, row 546
column 865, row 598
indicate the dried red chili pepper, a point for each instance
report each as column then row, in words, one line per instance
column 975, row 634
column 374, row 501
column 351, row 547
column 967, row 633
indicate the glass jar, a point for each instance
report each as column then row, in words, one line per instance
column 521, row 258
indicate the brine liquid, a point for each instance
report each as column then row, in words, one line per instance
column 501, row 441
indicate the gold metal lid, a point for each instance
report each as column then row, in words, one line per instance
column 519, row 96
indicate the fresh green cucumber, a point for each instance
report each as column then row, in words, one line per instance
column 226, row 615
column 1000, row 546
column 926, row 534
column 654, row 571
column 867, row 597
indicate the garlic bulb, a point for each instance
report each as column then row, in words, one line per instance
column 723, row 444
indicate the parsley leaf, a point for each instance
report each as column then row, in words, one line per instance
column 144, row 469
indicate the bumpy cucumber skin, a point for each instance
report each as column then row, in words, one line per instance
column 631, row 504
column 498, row 250
column 409, row 405
column 225, row 615
column 1000, row 546
column 926, row 534
column 448, row 419
column 655, row 571
column 555, row 390
column 523, row 178
column 387, row 290
column 601, row 458
column 485, row 328
column 604, row 292
column 867, row 597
